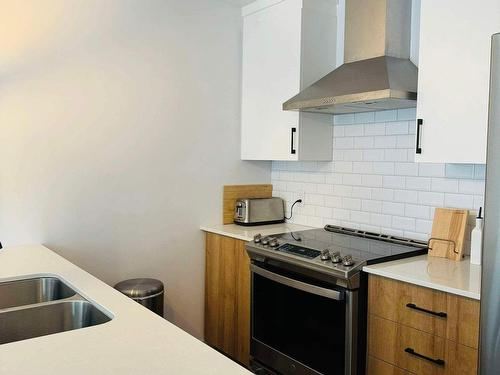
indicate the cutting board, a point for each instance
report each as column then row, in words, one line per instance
column 448, row 233
column 234, row 192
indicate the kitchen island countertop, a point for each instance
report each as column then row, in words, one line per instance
column 135, row 341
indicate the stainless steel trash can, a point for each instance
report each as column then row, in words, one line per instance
column 147, row 292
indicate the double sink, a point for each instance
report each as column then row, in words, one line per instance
column 42, row 306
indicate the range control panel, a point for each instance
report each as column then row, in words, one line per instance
column 299, row 250
column 326, row 257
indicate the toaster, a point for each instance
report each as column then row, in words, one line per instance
column 258, row 211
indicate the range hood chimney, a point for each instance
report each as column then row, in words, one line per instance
column 377, row 73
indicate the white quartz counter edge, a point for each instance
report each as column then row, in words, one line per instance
column 135, row 341
column 245, row 233
column 459, row 278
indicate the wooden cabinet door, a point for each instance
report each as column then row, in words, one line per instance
column 386, row 342
column 377, row 367
column 227, row 296
column 220, row 293
column 453, row 79
column 389, row 299
column 390, row 342
column 463, row 324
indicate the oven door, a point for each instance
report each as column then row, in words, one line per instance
column 301, row 325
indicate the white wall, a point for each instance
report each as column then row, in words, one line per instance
column 119, row 124
column 373, row 183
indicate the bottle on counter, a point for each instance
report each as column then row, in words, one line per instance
column 476, row 241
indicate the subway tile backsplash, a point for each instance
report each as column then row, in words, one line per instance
column 373, row 183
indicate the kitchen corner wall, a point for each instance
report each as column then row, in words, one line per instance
column 119, row 125
column 373, row 183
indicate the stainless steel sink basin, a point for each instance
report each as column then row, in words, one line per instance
column 31, row 291
column 41, row 320
column 42, row 306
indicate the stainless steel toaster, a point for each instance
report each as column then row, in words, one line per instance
column 258, row 211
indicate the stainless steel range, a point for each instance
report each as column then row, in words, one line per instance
column 309, row 298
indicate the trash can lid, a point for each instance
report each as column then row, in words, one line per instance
column 143, row 287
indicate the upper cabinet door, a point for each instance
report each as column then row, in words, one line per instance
column 453, row 84
column 271, row 74
column 287, row 45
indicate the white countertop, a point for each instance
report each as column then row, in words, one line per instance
column 461, row 278
column 136, row 341
column 246, row 233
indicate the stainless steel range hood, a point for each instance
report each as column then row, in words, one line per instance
column 377, row 73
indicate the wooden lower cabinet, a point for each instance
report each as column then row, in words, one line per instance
column 378, row 367
column 389, row 299
column 417, row 341
column 227, row 296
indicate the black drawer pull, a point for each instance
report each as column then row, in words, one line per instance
column 292, row 149
column 438, row 362
column 418, row 148
column 415, row 307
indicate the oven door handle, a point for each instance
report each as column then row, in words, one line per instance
column 323, row 292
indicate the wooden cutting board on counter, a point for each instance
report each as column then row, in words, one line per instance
column 448, row 233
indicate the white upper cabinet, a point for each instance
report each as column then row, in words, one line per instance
column 453, row 82
column 287, row 45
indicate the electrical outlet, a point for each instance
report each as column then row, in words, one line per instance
column 299, row 195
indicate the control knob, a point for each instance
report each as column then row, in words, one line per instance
column 257, row 238
column 274, row 243
column 347, row 261
column 325, row 254
column 336, row 258
column 265, row 241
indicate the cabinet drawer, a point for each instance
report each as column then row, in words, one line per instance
column 378, row 367
column 445, row 315
column 418, row 352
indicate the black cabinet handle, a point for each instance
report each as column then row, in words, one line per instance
column 415, row 307
column 292, row 150
column 418, row 148
column 438, row 362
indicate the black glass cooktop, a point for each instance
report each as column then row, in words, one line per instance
column 309, row 243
